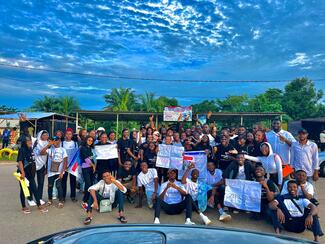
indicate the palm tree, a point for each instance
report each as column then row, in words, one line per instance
column 148, row 102
column 120, row 99
column 67, row 105
column 46, row 104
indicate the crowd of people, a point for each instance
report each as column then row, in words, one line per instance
column 286, row 168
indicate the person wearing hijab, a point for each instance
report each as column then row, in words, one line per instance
column 41, row 160
column 271, row 162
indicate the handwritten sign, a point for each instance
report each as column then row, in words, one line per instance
column 108, row 151
column 199, row 158
column 169, row 156
column 243, row 194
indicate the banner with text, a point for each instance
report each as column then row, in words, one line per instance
column 199, row 158
column 169, row 156
column 172, row 113
column 243, row 194
column 108, row 151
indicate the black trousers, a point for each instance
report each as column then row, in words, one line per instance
column 89, row 179
column 5, row 143
column 32, row 187
column 173, row 209
column 58, row 183
column 73, row 185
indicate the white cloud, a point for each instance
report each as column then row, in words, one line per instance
column 300, row 59
column 256, row 34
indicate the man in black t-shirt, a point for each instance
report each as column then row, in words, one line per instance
column 126, row 148
column 127, row 176
column 223, row 151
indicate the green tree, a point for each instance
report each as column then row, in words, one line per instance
column 270, row 101
column 205, row 106
column 67, row 105
column 301, row 99
column 46, row 104
column 162, row 102
column 148, row 102
column 120, row 99
column 234, row 104
column 5, row 109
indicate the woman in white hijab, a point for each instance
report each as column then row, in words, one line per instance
column 271, row 162
column 41, row 160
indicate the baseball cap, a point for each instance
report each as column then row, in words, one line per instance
column 101, row 129
column 302, row 131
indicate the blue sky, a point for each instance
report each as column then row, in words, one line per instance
column 204, row 39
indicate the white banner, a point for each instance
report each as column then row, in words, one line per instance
column 200, row 159
column 172, row 113
column 169, row 156
column 243, row 194
column 108, row 151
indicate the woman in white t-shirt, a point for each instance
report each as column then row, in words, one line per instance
column 148, row 178
column 57, row 164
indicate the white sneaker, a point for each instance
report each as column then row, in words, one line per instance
column 54, row 197
column 31, row 203
column 224, row 217
column 42, row 202
column 205, row 219
column 189, row 222
column 156, row 221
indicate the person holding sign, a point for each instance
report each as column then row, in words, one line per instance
column 88, row 167
column 295, row 214
column 27, row 169
column 148, row 178
column 173, row 199
column 217, row 193
column 192, row 188
column 108, row 192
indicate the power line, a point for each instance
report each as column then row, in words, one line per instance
column 144, row 78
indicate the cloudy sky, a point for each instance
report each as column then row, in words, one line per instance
column 201, row 40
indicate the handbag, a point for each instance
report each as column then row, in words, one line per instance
column 105, row 205
column 55, row 166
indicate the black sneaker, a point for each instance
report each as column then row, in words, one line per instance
column 87, row 221
column 130, row 199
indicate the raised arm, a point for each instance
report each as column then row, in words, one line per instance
column 254, row 159
column 278, row 164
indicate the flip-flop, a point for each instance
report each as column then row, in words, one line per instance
column 49, row 203
column 60, row 205
column 122, row 219
column 26, row 211
column 43, row 210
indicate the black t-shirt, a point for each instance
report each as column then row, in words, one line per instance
column 85, row 152
column 125, row 176
column 26, row 155
column 123, row 146
column 150, row 157
column 221, row 156
column 257, row 150
column 273, row 188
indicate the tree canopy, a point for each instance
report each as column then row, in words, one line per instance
column 63, row 105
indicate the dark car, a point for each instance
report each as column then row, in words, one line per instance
column 143, row 234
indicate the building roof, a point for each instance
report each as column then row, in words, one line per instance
column 143, row 116
column 34, row 116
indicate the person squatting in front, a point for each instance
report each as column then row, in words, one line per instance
column 106, row 189
column 173, row 199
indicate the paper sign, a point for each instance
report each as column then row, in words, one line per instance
column 169, row 156
column 243, row 194
column 108, row 151
column 172, row 113
column 199, row 158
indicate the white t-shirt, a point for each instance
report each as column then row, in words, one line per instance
column 214, row 178
column 69, row 144
column 40, row 159
column 308, row 187
column 172, row 195
column 192, row 188
column 293, row 210
column 241, row 173
column 57, row 155
column 106, row 190
column 148, row 180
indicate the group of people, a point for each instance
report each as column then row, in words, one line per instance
column 285, row 167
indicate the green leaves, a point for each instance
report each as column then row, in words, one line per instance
column 62, row 105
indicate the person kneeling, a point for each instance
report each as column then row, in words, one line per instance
column 106, row 189
column 294, row 214
column 148, row 178
column 173, row 199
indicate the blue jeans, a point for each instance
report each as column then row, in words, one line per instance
column 119, row 200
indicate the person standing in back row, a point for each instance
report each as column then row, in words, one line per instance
column 280, row 140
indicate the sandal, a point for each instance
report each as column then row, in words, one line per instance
column 87, row 221
column 26, row 210
column 60, row 205
column 122, row 219
column 43, row 210
column 49, row 203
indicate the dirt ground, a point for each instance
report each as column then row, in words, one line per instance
column 19, row 228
